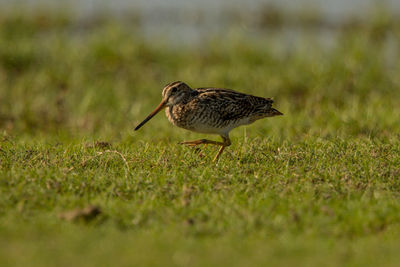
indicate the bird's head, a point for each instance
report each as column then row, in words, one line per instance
column 172, row 94
column 175, row 92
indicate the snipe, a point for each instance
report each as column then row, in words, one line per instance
column 211, row 110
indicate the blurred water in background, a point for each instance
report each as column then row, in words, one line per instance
column 335, row 9
column 191, row 22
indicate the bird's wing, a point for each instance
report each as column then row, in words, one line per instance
column 234, row 105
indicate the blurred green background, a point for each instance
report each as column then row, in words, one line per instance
column 316, row 186
column 90, row 75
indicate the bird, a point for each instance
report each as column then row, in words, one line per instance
column 210, row 110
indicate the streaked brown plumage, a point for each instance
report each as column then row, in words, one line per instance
column 211, row 110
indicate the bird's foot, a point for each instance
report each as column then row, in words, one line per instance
column 195, row 142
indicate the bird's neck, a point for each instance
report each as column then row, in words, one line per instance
column 187, row 97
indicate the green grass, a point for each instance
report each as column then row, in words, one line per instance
column 319, row 185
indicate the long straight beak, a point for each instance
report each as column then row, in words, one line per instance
column 152, row 114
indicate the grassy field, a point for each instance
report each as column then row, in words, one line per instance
column 318, row 186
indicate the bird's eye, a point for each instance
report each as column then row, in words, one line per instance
column 174, row 89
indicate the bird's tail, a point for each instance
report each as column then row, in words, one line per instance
column 275, row 112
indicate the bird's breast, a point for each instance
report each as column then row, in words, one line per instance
column 177, row 115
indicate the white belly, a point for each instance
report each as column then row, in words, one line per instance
column 209, row 129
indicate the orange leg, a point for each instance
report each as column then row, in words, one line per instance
column 226, row 142
column 219, row 153
column 201, row 142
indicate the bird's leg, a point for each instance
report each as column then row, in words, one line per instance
column 219, row 153
column 201, row 142
column 227, row 142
